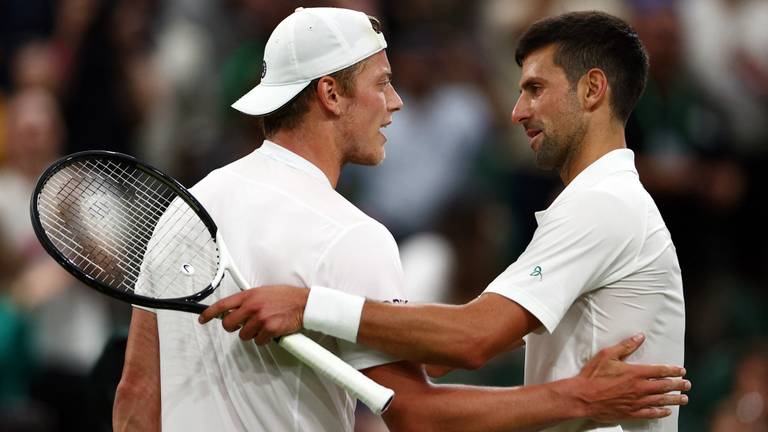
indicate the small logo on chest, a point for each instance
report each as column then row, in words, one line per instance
column 537, row 272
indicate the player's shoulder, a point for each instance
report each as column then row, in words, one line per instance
column 261, row 181
column 609, row 211
column 619, row 194
column 208, row 185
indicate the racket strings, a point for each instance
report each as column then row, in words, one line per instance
column 114, row 237
column 69, row 205
column 127, row 229
column 142, row 212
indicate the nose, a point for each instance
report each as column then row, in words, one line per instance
column 521, row 111
column 394, row 102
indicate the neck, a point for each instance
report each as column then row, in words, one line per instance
column 597, row 142
column 314, row 143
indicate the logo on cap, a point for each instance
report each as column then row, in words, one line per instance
column 263, row 69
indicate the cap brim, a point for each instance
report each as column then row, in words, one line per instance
column 264, row 99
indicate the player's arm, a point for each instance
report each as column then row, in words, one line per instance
column 606, row 390
column 463, row 336
column 137, row 401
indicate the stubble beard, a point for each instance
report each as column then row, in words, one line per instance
column 557, row 146
column 359, row 152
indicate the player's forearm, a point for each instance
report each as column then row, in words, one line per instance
column 137, row 400
column 463, row 336
column 462, row 408
column 434, row 334
column 136, row 408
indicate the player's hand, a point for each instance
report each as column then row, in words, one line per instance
column 613, row 390
column 260, row 313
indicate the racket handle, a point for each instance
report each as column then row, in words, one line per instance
column 372, row 394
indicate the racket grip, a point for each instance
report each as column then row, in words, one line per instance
column 372, row 394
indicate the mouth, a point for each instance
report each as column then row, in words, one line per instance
column 532, row 133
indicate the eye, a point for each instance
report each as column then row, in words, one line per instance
column 532, row 89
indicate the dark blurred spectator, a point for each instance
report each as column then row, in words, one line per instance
column 66, row 325
column 182, row 125
column 112, row 83
column 746, row 407
column 34, row 65
column 21, row 21
column 679, row 140
column 33, row 139
column 727, row 44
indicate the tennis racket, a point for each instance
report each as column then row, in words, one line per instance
column 134, row 233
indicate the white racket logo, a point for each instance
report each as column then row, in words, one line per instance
column 187, row 269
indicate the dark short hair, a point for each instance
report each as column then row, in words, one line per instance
column 587, row 40
column 290, row 115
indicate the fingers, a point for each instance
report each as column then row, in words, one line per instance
column 657, row 371
column 651, row 413
column 663, row 400
column 665, row 386
column 221, row 307
column 264, row 337
column 234, row 319
column 250, row 329
column 626, row 347
column 656, row 406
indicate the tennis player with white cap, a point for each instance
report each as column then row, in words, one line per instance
column 325, row 95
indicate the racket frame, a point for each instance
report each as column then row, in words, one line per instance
column 185, row 304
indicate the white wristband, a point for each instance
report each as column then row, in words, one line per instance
column 333, row 312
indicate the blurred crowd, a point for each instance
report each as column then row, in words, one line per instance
column 458, row 188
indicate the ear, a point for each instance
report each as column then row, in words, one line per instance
column 328, row 94
column 594, row 89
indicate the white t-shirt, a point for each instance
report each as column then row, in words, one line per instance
column 601, row 266
column 283, row 223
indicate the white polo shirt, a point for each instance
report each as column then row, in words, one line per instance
column 601, row 266
column 283, row 224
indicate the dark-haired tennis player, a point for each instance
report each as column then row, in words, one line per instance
column 325, row 96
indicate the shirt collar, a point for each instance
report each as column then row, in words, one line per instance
column 281, row 154
column 610, row 163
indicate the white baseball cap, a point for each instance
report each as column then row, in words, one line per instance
column 308, row 44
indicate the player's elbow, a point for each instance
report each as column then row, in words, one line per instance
column 121, row 408
column 137, row 402
column 130, row 387
column 473, row 360
column 471, row 351
column 410, row 414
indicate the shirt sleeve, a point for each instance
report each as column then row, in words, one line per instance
column 364, row 260
column 581, row 245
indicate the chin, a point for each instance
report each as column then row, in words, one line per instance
column 367, row 159
column 375, row 159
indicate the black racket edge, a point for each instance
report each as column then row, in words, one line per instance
column 185, row 304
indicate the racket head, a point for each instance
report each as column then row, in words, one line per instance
column 99, row 215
